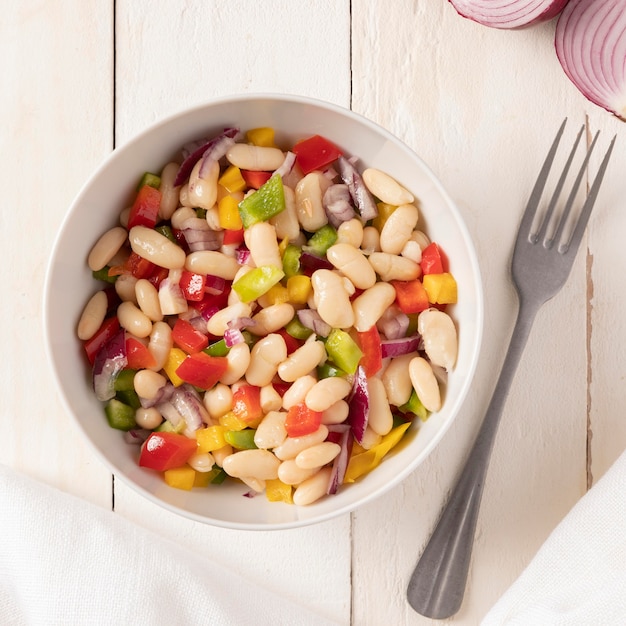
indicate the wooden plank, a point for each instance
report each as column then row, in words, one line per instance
column 57, row 114
column 228, row 47
column 461, row 96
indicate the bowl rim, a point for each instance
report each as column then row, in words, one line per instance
column 475, row 348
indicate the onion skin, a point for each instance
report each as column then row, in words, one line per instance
column 590, row 44
column 508, row 14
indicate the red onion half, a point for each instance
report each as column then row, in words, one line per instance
column 591, row 46
column 508, row 14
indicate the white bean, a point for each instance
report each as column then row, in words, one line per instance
column 398, row 228
column 371, row 240
column 212, row 262
column 218, row 400
column 309, row 207
column 202, row 191
column 380, row 417
column 397, row 381
column 331, row 299
column 260, row 464
column 106, row 248
column 326, row 392
column 270, row 399
column 238, row 359
column 302, row 361
column 221, row 454
column 133, row 320
column 370, row 439
column 148, row 418
column 297, row 391
column 147, row 297
column 169, row 193
column 286, row 222
column 160, row 344
column 425, row 383
column 336, row 413
column 371, row 304
column 313, row 488
column 271, row 318
column 218, row 323
column 353, row 263
column 181, row 215
column 201, row 461
column 291, row 474
column 318, row 455
column 261, row 241
column 292, row 446
column 125, row 288
column 440, row 338
column 393, row 267
column 151, row 245
column 255, row 158
column 148, row 383
column 93, row 315
column 386, row 188
column 265, row 356
column 270, row 432
column 351, row 232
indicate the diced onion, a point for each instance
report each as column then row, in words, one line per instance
column 398, row 347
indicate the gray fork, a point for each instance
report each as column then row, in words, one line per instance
column 540, row 266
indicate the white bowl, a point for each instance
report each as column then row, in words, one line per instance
column 96, row 209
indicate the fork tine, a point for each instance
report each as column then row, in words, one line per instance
column 535, row 196
column 576, row 236
column 543, row 226
column 572, row 196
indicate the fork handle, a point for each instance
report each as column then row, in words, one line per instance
column 438, row 582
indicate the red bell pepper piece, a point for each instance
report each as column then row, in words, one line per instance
column 433, row 260
column 315, row 153
column 247, row 403
column 372, row 359
column 166, row 450
column 411, row 296
column 281, row 388
column 232, row 236
column 202, row 370
column 192, row 285
column 188, row 338
column 108, row 328
column 302, row 421
column 158, row 275
column 291, row 342
column 135, row 265
column 255, row 179
column 145, row 209
column 138, row 355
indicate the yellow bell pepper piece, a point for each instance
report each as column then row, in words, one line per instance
column 263, row 136
column 231, row 422
column 282, row 246
column 180, row 477
column 278, row 491
column 174, row 359
column 441, row 288
column 384, row 211
column 228, row 213
column 278, row 294
column 211, row 438
column 299, row 289
column 364, row 462
column 232, row 179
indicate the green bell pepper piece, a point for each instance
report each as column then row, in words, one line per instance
column 241, row 439
column 291, row 260
column 217, row 475
column 166, row 231
column 343, row 351
column 257, row 282
column 326, row 370
column 297, row 329
column 125, row 380
column 415, row 406
column 153, row 180
column 103, row 275
column 218, row 348
column 120, row 415
column 321, row 240
column 267, row 201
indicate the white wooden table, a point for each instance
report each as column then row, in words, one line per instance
column 479, row 105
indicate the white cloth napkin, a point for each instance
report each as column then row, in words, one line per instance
column 578, row 577
column 65, row 561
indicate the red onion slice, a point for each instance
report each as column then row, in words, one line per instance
column 398, row 347
column 590, row 43
column 361, row 196
column 109, row 362
column 287, row 165
column 359, row 402
column 338, row 204
column 199, row 235
column 340, row 464
column 508, row 14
